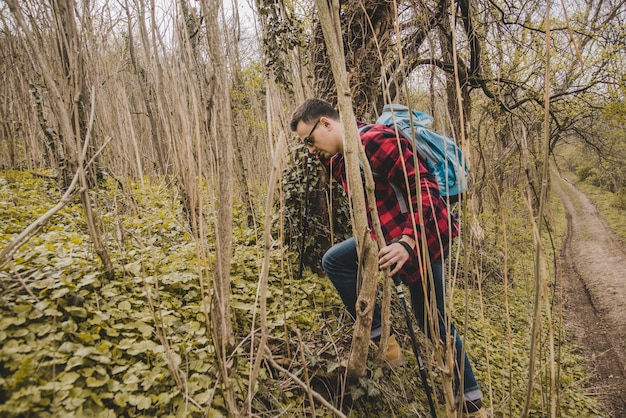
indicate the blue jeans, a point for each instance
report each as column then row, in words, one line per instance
column 341, row 264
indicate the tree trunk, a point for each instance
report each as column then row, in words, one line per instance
column 329, row 19
column 79, row 107
column 243, row 129
column 144, row 89
column 221, row 101
column 223, row 223
column 242, row 174
column 71, row 58
column 367, row 34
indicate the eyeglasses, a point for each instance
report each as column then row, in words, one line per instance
column 308, row 140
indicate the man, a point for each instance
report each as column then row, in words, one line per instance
column 318, row 124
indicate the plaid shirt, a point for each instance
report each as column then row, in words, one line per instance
column 383, row 153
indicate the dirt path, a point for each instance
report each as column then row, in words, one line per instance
column 594, row 290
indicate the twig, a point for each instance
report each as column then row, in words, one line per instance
column 261, row 294
column 23, row 283
column 179, row 377
column 306, row 371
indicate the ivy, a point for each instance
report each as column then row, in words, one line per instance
column 317, row 236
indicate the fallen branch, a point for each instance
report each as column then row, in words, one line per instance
column 316, row 395
column 67, row 197
column 45, row 176
column 31, row 229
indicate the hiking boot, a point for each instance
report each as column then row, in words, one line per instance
column 474, row 409
column 393, row 353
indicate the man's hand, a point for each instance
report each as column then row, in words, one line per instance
column 395, row 255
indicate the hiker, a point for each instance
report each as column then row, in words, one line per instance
column 319, row 126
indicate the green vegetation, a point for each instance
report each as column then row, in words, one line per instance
column 73, row 344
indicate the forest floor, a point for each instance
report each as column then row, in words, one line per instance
column 594, row 295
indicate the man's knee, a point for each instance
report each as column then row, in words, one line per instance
column 332, row 259
column 327, row 261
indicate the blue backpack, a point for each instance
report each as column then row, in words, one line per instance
column 444, row 159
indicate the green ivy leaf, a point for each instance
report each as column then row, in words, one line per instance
column 85, row 351
column 59, row 293
column 77, row 311
column 21, row 332
column 124, row 306
column 121, row 399
column 126, row 343
column 94, row 382
column 145, row 329
column 69, row 326
column 140, row 401
column 74, row 362
column 142, row 347
column 242, row 306
column 69, row 378
column 130, row 378
column 88, row 338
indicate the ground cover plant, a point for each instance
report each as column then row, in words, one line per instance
column 75, row 344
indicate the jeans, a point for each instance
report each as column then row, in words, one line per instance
column 341, row 264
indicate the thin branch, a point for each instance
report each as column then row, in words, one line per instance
column 261, row 295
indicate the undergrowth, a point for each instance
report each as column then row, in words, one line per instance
column 74, row 344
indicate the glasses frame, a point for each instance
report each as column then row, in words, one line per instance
column 308, row 140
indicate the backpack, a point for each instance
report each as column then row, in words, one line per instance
column 443, row 158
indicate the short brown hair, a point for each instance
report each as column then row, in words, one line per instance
column 311, row 110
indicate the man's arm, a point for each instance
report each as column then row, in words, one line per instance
column 386, row 157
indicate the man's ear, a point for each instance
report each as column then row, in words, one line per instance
column 325, row 122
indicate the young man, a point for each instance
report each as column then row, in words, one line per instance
column 318, row 124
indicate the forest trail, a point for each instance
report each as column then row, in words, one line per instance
column 594, row 290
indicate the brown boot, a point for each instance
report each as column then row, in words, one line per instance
column 393, row 353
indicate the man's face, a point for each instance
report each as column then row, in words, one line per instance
column 322, row 137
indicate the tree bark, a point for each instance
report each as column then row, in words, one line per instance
column 329, row 19
column 223, row 223
column 221, row 100
column 71, row 53
column 242, row 129
column 367, row 34
column 144, row 90
column 262, row 287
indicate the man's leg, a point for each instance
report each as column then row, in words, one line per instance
column 471, row 391
column 341, row 265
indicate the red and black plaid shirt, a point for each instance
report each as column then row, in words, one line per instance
column 385, row 158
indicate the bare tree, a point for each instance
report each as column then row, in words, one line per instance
column 69, row 101
column 222, row 118
column 353, row 151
